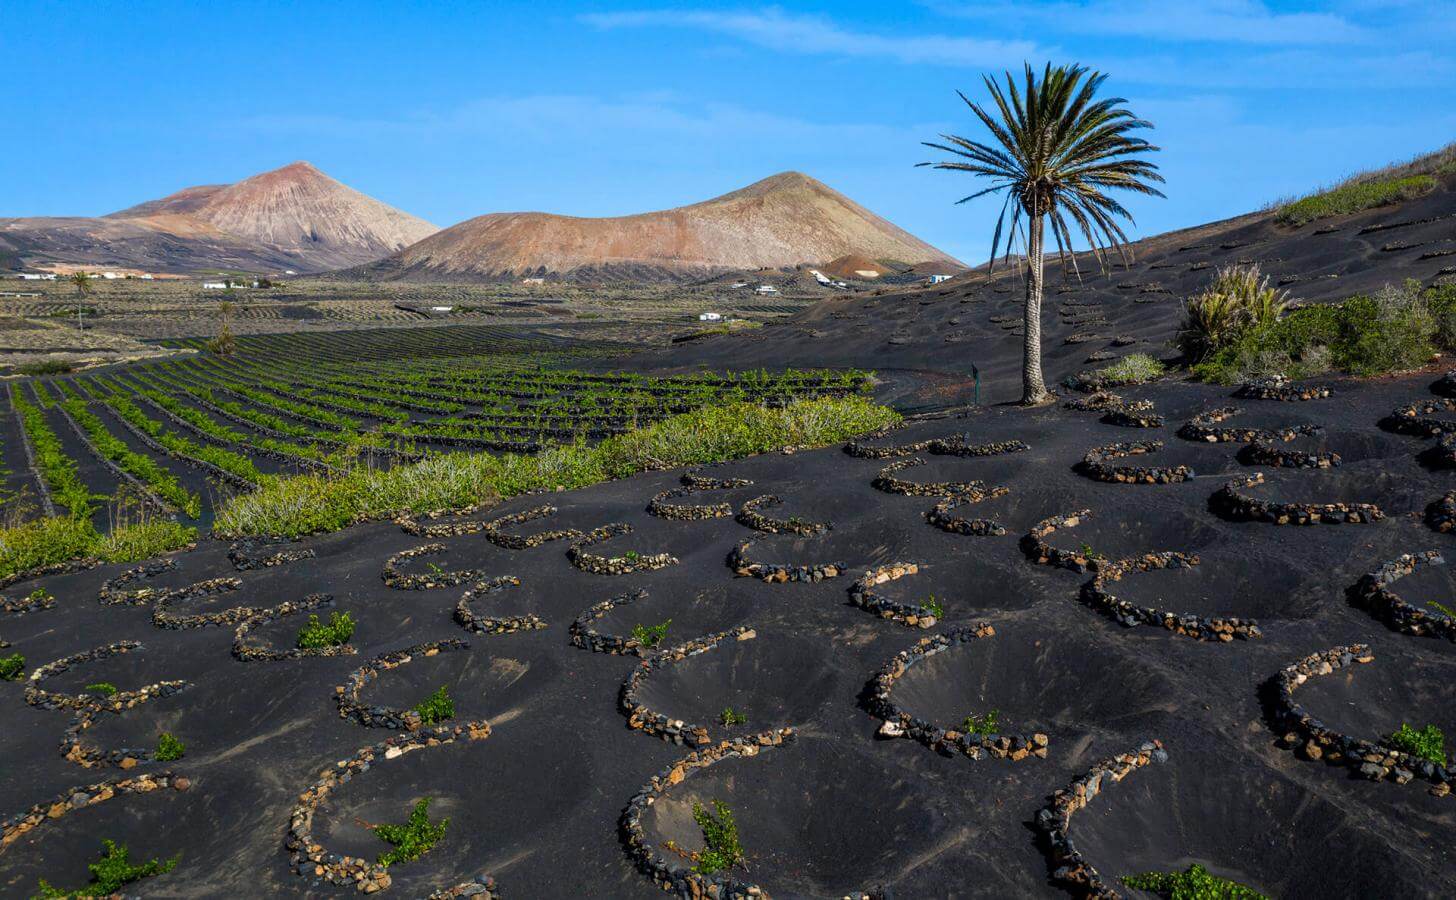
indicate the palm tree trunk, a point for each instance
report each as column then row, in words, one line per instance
column 1033, row 389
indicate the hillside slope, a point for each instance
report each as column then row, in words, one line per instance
column 783, row 220
column 976, row 319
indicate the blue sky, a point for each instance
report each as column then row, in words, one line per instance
column 450, row 110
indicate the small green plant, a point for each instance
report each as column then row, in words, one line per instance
column 104, row 688
column 982, row 724
column 632, row 556
column 651, row 635
column 437, row 707
column 721, row 849
column 414, row 838
column 333, row 633
column 169, row 748
column 1087, row 552
column 111, row 873
column 39, row 595
column 12, row 667
column 435, row 568
column 1196, row 883
column 1442, row 608
column 731, row 716
column 932, row 607
column 1428, row 743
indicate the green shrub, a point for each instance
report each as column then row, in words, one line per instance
column 982, row 724
column 730, row 716
column 932, row 606
column 104, row 688
column 651, row 635
column 1354, row 196
column 1135, row 368
column 111, row 873
column 721, row 849
column 1395, row 330
column 437, row 707
column 414, row 838
column 1240, row 298
column 1428, row 743
column 169, row 748
column 307, row 504
column 1197, row 883
column 56, row 539
column 12, row 667
column 333, row 633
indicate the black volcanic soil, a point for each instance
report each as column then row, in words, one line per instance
column 537, row 803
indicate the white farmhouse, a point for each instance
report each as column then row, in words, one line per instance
column 214, row 285
column 110, row 276
column 710, row 317
column 937, row 279
column 38, row 276
column 767, row 289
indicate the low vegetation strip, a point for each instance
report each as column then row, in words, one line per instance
column 308, row 504
column 54, row 540
column 143, row 468
column 58, row 469
column 1354, row 196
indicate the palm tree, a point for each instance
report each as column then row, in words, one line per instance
column 82, row 281
column 1057, row 150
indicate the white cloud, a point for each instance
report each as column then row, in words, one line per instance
column 1208, row 21
column 777, row 30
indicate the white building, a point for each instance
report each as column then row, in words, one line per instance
column 38, row 276
column 145, row 277
column 442, row 309
column 214, row 285
column 710, row 317
column 110, row 276
column 937, row 279
column 767, row 289
column 534, row 279
column 740, row 284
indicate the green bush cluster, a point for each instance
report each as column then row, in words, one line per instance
column 12, row 667
column 651, row 635
column 102, row 688
column 169, row 748
column 110, row 874
column 414, row 838
column 437, row 707
column 721, row 849
column 1196, row 883
column 1428, row 743
column 1354, row 196
column 1238, row 300
column 1397, row 329
column 1135, row 368
column 56, row 539
column 933, row 607
column 307, row 504
column 730, row 716
column 333, row 633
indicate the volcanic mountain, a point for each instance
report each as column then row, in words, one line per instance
column 784, row 220
column 295, row 218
